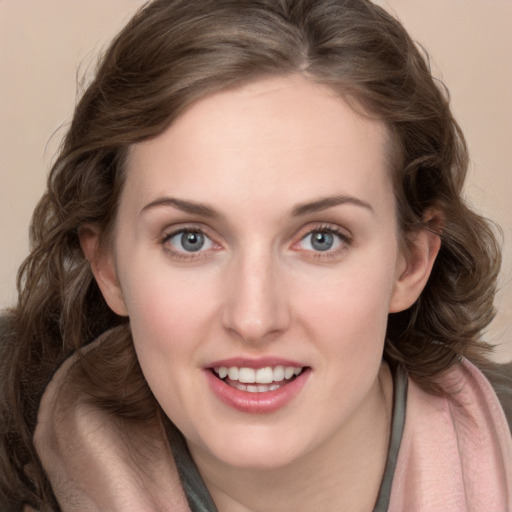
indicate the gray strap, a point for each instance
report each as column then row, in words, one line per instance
column 400, row 382
column 198, row 496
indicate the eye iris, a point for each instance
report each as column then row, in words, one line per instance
column 192, row 241
column 322, row 241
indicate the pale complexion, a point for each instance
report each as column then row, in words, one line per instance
column 261, row 226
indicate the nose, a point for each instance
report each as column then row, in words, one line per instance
column 256, row 307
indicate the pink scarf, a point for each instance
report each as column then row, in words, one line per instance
column 454, row 457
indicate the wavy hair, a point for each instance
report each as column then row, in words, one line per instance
column 172, row 53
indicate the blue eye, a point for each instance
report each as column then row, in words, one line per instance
column 188, row 240
column 322, row 240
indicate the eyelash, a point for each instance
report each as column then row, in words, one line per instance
column 345, row 242
column 183, row 255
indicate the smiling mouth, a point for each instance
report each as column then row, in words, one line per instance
column 260, row 380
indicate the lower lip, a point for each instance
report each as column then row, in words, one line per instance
column 257, row 403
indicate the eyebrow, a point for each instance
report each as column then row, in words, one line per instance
column 302, row 209
column 183, row 205
column 329, row 202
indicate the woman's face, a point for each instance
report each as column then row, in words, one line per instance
column 257, row 257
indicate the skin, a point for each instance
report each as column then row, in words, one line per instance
column 254, row 157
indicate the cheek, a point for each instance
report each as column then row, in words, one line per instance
column 169, row 320
column 348, row 313
column 172, row 314
column 352, row 295
column 171, row 309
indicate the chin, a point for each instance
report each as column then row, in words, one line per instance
column 259, row 460
column 255, row 451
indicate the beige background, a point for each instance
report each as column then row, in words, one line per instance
column 46, row 44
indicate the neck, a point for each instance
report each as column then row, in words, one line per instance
column 342, row 473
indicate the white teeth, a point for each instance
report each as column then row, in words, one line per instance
column 261, row 376
column 264, row 375
column 289, row 372
column 246, row 375
column 232, row 373
column 253, row 388
column 278, row 373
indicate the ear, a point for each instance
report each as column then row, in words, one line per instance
column 414, row 269
column 103, row 267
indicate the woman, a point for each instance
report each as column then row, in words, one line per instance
column 253, row 253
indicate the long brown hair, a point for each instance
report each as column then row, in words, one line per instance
column 170, row 54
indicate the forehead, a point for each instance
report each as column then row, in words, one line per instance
column 285, row 138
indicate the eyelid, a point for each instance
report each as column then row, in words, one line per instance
column 179, row 227
column 324, row 226
column 172, row 231
column 343, row 234
column 184, row 231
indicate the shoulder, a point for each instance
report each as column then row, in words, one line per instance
column 98, row 460
column 473, row 401
column 456, row 450
column 500, row 377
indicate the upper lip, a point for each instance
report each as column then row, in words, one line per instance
column 244, row 362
